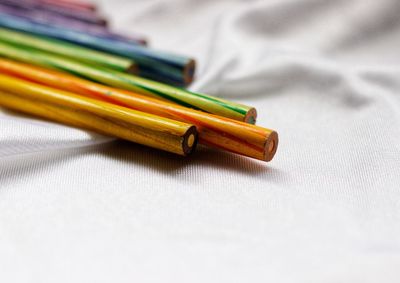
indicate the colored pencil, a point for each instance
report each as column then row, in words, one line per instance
column 69, row 50
column 41, row 17
column 83, row 16
column 81, row 4
column 153, row 64
column 69, row 5
column 129, row 82
column 62, row 5
column 106, row 118
column 215, row 131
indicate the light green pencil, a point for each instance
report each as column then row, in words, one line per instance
column 133, row 83
column 69, row 50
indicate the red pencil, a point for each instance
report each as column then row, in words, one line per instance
column 71, row 4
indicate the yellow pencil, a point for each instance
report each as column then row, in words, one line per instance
column 147, row 129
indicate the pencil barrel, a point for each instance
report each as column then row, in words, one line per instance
column 68, row 50
column 81, row 4
column 84, row 16
column 147, row 129
column 71, row 5
column 136, row 84
column 227, row 134
column 41, row 17
column 157, row 65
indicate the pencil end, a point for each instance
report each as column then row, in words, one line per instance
column 189, row 142
column 251, row 116
column 188, row 72
column 271, row 145
column 143, row 41
column 133, row 69
column 103, row 22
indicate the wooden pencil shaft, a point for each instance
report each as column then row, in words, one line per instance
column 84, row 16
column 215, row 131
column 106, row 118
column 149, row 88
column 84, row 5
column 67, row 23
column 66, row 49
column 68, row 5
column 159, row 65
column 43, row 15
column 60, row 5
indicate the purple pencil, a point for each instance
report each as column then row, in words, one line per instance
column 41, row 17
column 84, row 16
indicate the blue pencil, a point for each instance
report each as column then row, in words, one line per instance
column 42, row 17
column 156, row 65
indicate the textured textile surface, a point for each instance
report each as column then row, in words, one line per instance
column 79, row 207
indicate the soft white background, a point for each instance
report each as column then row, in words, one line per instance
column 79, row 207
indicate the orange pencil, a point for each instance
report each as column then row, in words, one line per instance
column 231, row 135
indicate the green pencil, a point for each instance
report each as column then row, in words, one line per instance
column 69, row 50
column 133, row 83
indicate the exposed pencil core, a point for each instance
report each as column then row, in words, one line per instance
column 190, row 141
column 271, row 145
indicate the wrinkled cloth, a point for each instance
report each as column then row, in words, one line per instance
column 76, row 206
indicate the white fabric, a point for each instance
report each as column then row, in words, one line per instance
column 78, row 207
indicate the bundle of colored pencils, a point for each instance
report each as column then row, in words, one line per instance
column 58, row 60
